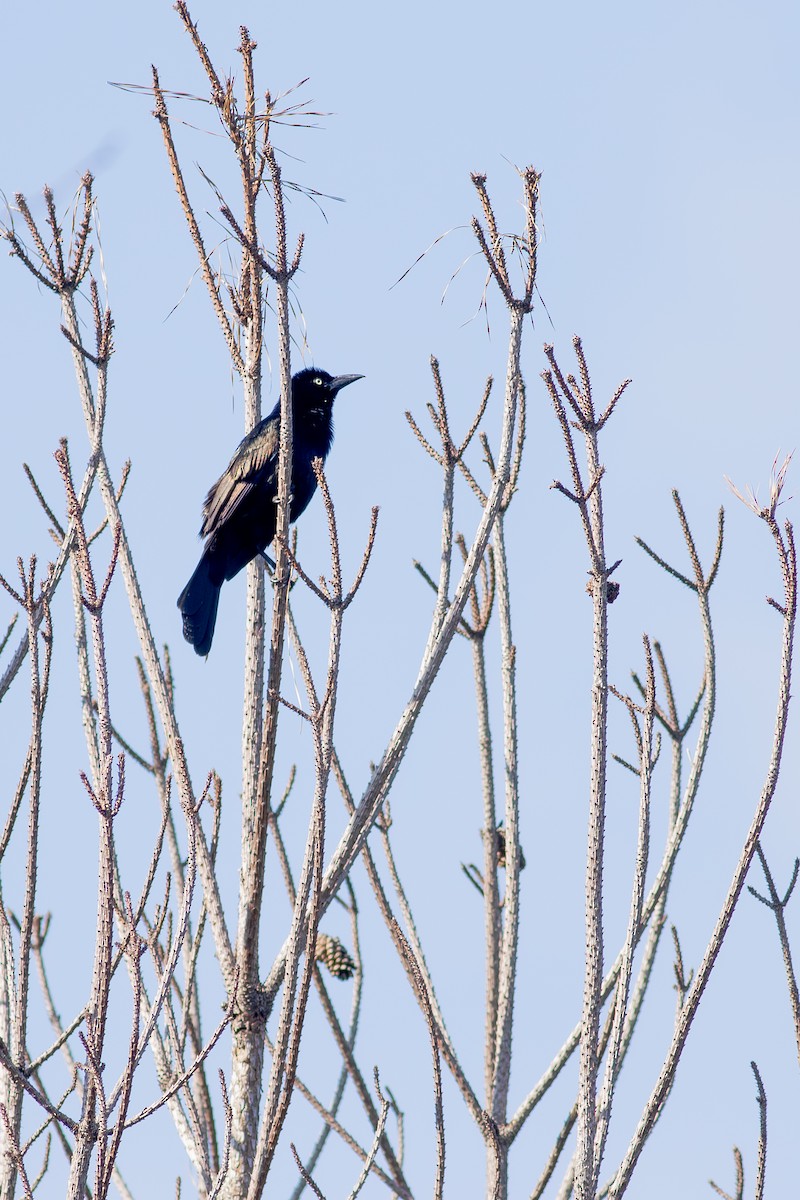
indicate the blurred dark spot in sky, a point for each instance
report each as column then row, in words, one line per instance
column 98, row 161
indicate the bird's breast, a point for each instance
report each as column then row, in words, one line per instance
column 313, row 433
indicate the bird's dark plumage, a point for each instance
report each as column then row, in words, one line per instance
column 239, row 513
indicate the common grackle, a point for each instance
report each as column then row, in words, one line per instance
column 240, row 511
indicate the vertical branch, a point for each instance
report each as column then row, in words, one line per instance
column 11, row 1164
column 508, row 952
column 620, row 1013
column 491, row 892
column 778, row 905
column 449, row 457
column 249, row 1047
column 345, row 1041
column 446, row 460
column 191, row 1021
column 588, row 498
column 307, row 905
column 761, row 1168
column 393, row 1160
column 257, row 814
column 84, row 673
column 784, row 542
column 250, row 305
column 417, row 977
column 589, row 1050
column 295, row 995
column 107, row 805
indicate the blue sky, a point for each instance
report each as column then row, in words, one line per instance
column 667, row 138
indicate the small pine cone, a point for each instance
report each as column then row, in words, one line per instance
column 501, row 849
column 612, row 589
column 332, row 953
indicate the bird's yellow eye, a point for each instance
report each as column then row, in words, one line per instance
column 318, row 380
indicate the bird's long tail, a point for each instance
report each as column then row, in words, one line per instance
column 198, row 603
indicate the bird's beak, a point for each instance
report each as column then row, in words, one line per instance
column 341, row 381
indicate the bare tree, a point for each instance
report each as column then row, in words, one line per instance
column 177, row 943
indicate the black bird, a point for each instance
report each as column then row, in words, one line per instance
column 240, row 512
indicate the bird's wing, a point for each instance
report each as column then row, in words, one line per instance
column 255, row 457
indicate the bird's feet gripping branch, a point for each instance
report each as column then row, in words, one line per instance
column 239, row 513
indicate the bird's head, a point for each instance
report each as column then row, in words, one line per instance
column 315, row 389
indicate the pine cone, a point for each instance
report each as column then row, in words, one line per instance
column 333, row 954
column 501, row 849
